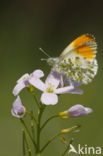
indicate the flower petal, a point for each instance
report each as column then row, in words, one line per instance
column 68, row 81
column 37, row 83
column 75, row 91
column 61, row 81
column 53, row 78
column 16, row 115
column 17, row 102
column 23, row 78
column 64, row 90
column 18, row 88
column 77, row 84
column 88, row 110
column 18, row 109
column 79, row 110
column 37, row 73
column 49, row 98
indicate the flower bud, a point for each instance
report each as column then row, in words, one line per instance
column 18, row 109
column 62, row 139
column 68, row 130
column 75, row 111
column 79, row 110
column 63, row 113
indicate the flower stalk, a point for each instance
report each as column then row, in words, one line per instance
column 24, row 124
column 55, row 84
column 25, row 142
column 40, row 112
column 45, row 123
column 32, row 116
column 50, row 140
column 36, row 101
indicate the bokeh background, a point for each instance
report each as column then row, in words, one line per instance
column 51, row 24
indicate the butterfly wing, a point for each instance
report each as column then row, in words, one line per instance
column 84, row 46
column 78, row 59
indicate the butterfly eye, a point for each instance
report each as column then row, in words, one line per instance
column 50, row 61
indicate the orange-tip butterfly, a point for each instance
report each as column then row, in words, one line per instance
column 78, row 59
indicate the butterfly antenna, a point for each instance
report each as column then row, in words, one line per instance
column 43, row 59
column 44, row 52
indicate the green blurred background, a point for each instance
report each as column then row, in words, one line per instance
column 51, row 24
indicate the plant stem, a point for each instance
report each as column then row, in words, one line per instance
column 22, row 121
column 23, row 143
column 32, row 129
column 52, row 139
column 32, row 116
column 25, row 139
column 36, row 101
column 52, row 117
column 40, row 112
column 38, row 154
column 29, row 152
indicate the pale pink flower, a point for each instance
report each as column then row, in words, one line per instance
column 67, row 82
column 18, row 109
column 50, row 88
column 78, row 110
column 24, row 80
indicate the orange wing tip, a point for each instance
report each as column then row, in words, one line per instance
column 85, row 46
column 90, row 36
column 83, row 39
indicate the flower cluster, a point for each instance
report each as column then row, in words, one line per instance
column 54, row 85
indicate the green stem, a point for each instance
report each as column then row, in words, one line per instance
column 29, row 152
column 52, row 139
column 41, row 109
column 52, row 117
column 28, row 132
column 23, row 143
column 67, row 149
column 32, row 129
column 36, row 101
column 38, row 154
column 32, row 116
column 25, row 139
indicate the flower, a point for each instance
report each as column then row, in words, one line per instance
column 50, row 88
column 24, row 80
column 67, row 81
column 18, row 109
column 78, row 110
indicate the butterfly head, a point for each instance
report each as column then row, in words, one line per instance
column 52, row 61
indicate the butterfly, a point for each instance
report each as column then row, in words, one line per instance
column 78, row 59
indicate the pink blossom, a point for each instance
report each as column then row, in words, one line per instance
column 18, row 109
column 24, row 80
column 78, row 110
column 51, row 88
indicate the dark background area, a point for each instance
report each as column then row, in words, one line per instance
column 24, row 27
